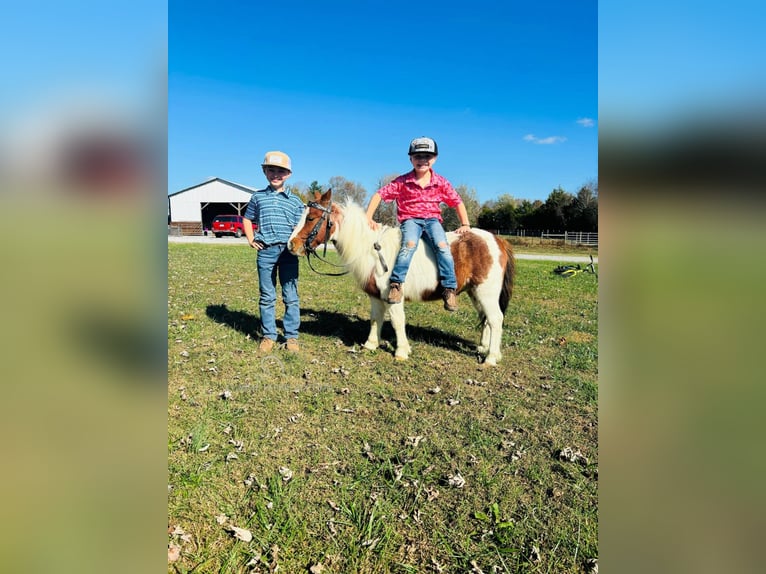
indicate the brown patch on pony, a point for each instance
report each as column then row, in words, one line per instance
column 432, row 294
column 371, row 288
column 472, row 260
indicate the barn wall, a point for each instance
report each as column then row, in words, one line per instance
column 186, row 206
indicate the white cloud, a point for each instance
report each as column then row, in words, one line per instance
column 544, row 141
column 586, row 122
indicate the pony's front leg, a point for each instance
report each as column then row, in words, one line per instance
column 377, row 316
column 396, row 313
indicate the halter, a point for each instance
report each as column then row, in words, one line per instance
column 326, row 212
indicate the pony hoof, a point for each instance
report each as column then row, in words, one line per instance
column 489, row 362
column 400, row 357
column 370, row 346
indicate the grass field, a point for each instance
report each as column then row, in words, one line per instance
column 342, row 460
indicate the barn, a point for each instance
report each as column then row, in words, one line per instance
column 191, row 210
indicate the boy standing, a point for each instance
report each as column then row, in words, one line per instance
column 275, row 211
column 418, row 195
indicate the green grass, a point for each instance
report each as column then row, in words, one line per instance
column 370, row 446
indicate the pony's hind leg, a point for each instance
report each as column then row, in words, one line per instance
column 494, row 326
column 377, row 316
column 491, row 317
column 483, row 347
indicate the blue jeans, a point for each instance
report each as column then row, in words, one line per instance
column 412, row 229
column 272, row 260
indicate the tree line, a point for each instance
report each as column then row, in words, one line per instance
column 561, row 211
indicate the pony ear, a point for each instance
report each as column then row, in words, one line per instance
column 327, row 195
column 317, row 195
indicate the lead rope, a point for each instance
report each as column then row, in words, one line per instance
column 376, row 245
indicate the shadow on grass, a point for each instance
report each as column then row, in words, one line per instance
column 349, row 329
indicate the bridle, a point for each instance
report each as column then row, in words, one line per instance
column 324, row 219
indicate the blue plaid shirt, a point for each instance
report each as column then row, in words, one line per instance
column 275, row 213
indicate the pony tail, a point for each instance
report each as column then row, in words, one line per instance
column 510, row 271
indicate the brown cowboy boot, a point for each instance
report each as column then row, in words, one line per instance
column 266, row 345
column 395, row 293
column 292, row 345
column 450, row 300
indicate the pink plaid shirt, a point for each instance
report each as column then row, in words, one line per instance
column 413, row 201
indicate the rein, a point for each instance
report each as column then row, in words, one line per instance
column 326, row 212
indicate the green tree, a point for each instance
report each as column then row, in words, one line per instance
column 584, row 208
column 554, row 212
column 315, row 187
column 386, row 212
column 472, row 208
column 343, row 189
column 499, row 214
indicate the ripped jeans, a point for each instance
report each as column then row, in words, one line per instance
column 412, row 229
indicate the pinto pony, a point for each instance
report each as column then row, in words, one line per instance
column 484, row 266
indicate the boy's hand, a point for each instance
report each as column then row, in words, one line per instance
column 463, row 229
column 255, row 244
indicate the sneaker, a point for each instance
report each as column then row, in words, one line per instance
column 292, row 345
column 450, row 300
column 266, row 345
column 395, row 293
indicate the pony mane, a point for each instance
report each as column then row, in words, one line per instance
column 355, row 243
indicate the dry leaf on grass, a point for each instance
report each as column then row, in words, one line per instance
column 456, row 480
column 240, row 533
column 174, row 552
column 221, row 519
column 371, row 543
column 436, row 566
column 286, row 473
column 568, row 454
column 413, row 440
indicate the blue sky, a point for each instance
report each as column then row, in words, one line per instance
column 677, row 62
column 507, row 89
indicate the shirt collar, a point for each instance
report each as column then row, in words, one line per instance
column 284, row 190
column 411, row 175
